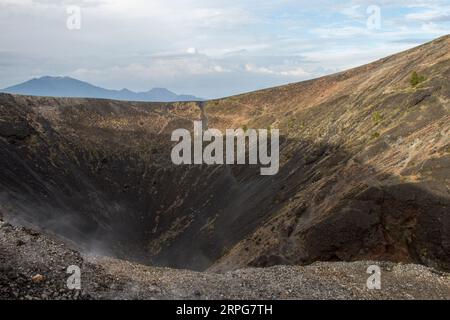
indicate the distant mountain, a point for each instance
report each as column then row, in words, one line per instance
column 69, row 87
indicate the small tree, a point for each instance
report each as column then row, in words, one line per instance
column 416, row 79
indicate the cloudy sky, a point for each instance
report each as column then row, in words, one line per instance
column 209, row 48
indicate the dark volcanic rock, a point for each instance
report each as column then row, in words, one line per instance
column 364, row 172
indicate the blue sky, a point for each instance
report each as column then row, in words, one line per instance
column 209, row 48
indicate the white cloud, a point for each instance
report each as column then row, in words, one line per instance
column 342, row 31
column 433, row 28
column 354, row 12
column 346, row 58
column 192, row 50
column 204, row 47
column 157, row 69
column 288, row 71
column 430, row 16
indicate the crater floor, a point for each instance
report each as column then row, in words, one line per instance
column 25, row 253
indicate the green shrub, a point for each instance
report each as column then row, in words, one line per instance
column 375, row 135
column 377, row 117
column 416, row 79
column 292, row 123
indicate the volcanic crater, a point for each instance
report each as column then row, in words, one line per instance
column 364, row 172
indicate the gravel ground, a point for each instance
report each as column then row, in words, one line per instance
column 33, row 266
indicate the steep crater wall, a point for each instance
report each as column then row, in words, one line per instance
column 364, row 174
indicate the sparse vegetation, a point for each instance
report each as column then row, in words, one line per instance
column 375, row 135
column 245, row 128
column 424, row 253
column 33, row 141
column 416, row 79
column 224, row 251
column 377, row 117
column 291, row 123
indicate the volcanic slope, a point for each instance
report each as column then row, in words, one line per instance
column 364, row 172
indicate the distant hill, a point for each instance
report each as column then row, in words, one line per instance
column 69, row 87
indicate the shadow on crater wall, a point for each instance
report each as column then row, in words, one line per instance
column 115, row 192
